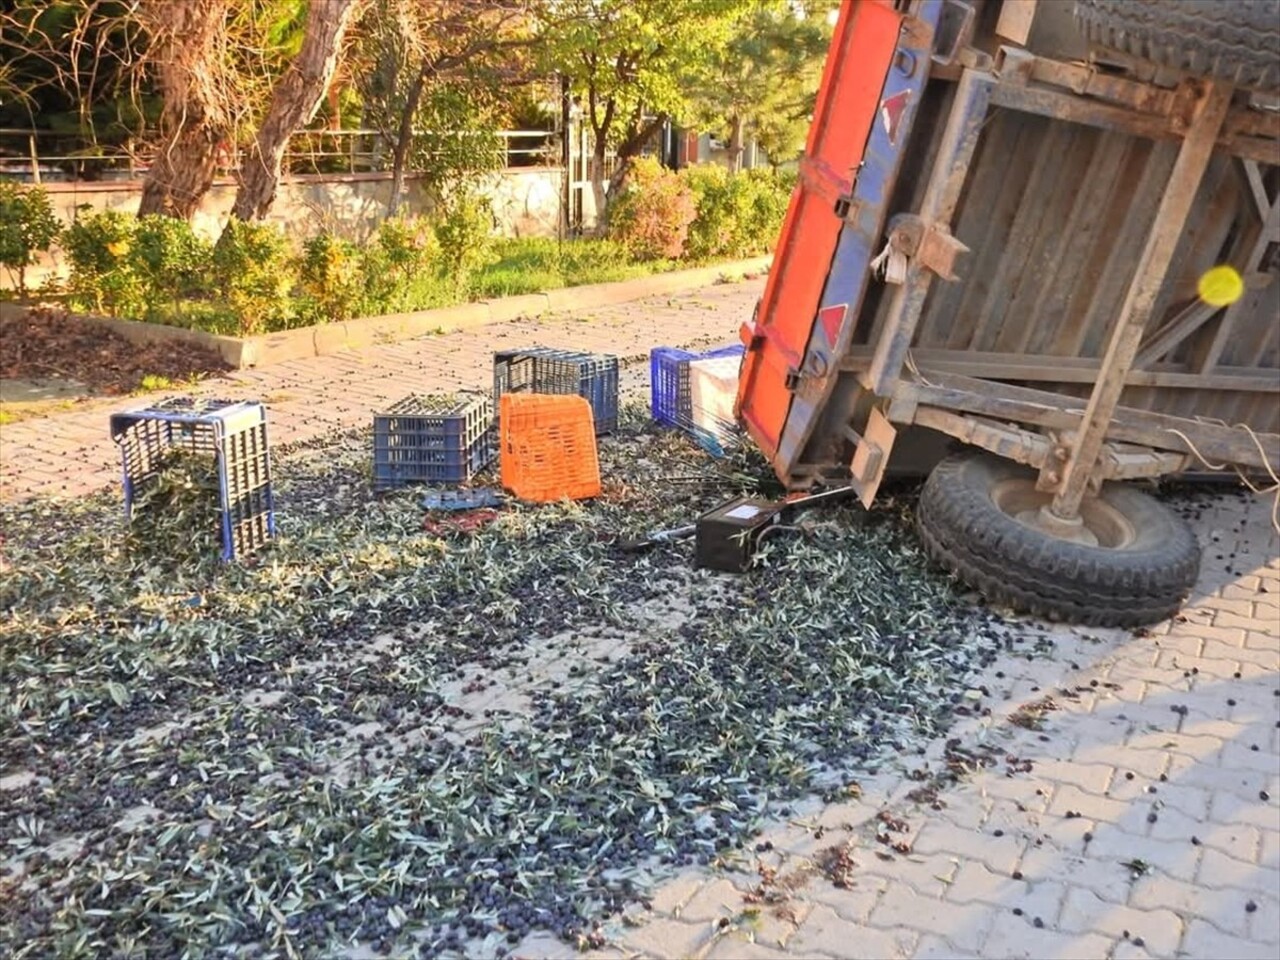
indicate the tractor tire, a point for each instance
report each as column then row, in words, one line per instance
column 1144, row 565
column 1233, row 40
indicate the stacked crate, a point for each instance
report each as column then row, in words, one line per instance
column 671, row 393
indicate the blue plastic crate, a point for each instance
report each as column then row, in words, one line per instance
column 669, row 382
column 432, row 440
column 233, row 432
column 593, row 376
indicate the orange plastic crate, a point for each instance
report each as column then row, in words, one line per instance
column 548, row 447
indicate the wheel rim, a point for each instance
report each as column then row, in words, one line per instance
column 1101, row 524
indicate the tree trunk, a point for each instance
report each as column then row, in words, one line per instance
column 404, row 138
column 186, row 47
column 736, row 146
column 294, row 101
column 599, row 192
column 629, row 150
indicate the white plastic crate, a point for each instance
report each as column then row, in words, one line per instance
column 713, row 387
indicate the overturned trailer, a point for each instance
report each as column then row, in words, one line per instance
column 1005, row 232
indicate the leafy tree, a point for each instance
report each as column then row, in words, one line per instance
column 635, row 62
column 764, row 80
column 435, row 75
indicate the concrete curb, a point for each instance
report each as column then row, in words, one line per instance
column 305, row 342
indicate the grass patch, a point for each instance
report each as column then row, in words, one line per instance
column 152, row 382
column 535, row 264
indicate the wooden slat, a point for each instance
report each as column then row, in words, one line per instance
column 1187, row 321
column 994, row 315
column 1015, row 20
column 1136, row 196
column 1209, row 351
column 1031, row 308
column 1006, row 366
column 1215, row 442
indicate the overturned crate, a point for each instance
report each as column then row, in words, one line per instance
column 233, row 433
column 592, row 376
column 549, row 448
column 432, row 439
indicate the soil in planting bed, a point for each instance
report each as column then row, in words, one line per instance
column 48, row 344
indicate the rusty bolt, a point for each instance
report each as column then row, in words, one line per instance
column 1061, row 452
column 1053, row 477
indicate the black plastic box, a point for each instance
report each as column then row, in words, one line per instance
column 727, row 536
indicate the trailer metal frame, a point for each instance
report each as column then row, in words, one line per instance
column 835, row 368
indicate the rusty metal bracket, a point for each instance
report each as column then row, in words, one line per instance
column 1126, row 462
column 1055, row 461
column 930, row 244
column 1019, row 67
column 871, row 457
column 1004, row 440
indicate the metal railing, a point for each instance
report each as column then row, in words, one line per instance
column 44, row 156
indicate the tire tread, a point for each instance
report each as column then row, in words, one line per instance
column 1233, row 40
column 965, row 532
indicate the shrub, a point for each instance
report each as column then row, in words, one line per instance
column 98, row 247
column 402, row 252
column 465, row 234
column 716, row 230
column 331, row 277
column 766, row 196
column 169, row 260
column 651, row 216
column 409, row 244
column 253, row 274
column 738, row 214
column 27, row 227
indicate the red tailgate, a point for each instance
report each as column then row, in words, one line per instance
column 862, row 49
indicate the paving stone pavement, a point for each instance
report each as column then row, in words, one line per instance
column 1131, row 806
column 71, row 453
column 1138, row 817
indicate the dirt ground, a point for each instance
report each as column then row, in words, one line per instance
column 47, row 344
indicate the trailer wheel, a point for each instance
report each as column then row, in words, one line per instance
column 1233, row 40
column 974, row 519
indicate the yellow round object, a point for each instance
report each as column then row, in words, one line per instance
column 1221, row 286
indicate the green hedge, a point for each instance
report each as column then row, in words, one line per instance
column 253, row 280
